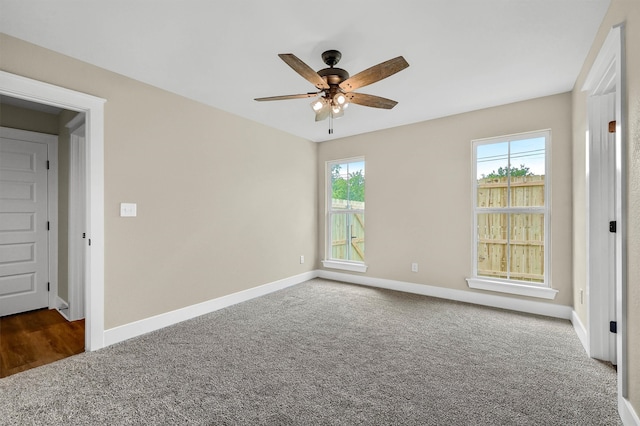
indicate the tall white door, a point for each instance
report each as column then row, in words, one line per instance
column 24, row 257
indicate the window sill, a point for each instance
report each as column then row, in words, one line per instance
column 512, row 288
column 345, row 266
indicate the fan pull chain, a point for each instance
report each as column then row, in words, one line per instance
column 331, row 124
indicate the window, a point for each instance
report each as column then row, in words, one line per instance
column 511, row 215
column 345, row 215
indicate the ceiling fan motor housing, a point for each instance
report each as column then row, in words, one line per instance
column 331, row 57
column 333, row 75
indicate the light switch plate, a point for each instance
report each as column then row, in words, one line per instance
column 128, row 209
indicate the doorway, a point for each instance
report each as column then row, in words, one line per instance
column 36, row 91
column 605, row 88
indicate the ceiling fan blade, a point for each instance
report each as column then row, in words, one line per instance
column 285, row 97
column 304, row 70
column 375, row 73
column 370, row 100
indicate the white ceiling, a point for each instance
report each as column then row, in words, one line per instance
column 463, row 54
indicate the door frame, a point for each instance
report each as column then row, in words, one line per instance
column 607, row 73
column 601, row 195
column 44, row 93
column 51, row 141
column 77, row 216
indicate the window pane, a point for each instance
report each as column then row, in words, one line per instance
column 492, row 245
column 347, row 185
column 527, row 247
column 347, row 236
column 527, row 172
column 492, row 163
column 510, row 207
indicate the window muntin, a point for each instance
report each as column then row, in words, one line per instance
column 511, row 209
column 346, row 207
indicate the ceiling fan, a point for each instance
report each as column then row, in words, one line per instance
column 336, row 88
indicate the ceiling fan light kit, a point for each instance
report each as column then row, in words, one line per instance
column 336, row 86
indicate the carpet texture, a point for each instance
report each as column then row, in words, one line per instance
column 331, row 353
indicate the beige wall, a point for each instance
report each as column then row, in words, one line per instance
column 25, row 119
column 419, row 191
column 224, row 204
column 627, row 11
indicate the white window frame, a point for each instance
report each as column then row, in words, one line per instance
column 523, row 288
column 329, row 262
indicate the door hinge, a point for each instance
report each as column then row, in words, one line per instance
column 48, row 286
column 612, row 226
column 48, row 165
column 613, row 326
column 48, row 225
column 89, row 241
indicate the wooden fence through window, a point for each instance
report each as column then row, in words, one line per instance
column 525, row 243
column 348, row 229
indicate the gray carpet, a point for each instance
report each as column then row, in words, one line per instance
column 328, row 353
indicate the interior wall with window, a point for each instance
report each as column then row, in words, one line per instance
column 627, row 12
column 419, row 192
column 224, row 204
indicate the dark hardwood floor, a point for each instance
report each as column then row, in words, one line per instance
column 35, row 338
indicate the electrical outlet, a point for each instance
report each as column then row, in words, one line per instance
column 301, row 259
column 414, row 267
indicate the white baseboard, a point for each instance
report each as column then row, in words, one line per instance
column 520, row 305
column 137, row 328
column 578, row 327
column 627, row 414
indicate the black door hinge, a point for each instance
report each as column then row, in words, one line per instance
column 89, row 241
column 612, row 226
column 613, row 326
column 48, row 225
column 47, row 164
column 48, row 286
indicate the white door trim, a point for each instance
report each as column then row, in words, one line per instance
column 77, row 217
column 607, row 72
column 36, row 91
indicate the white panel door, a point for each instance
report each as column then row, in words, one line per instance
column 24, row 257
